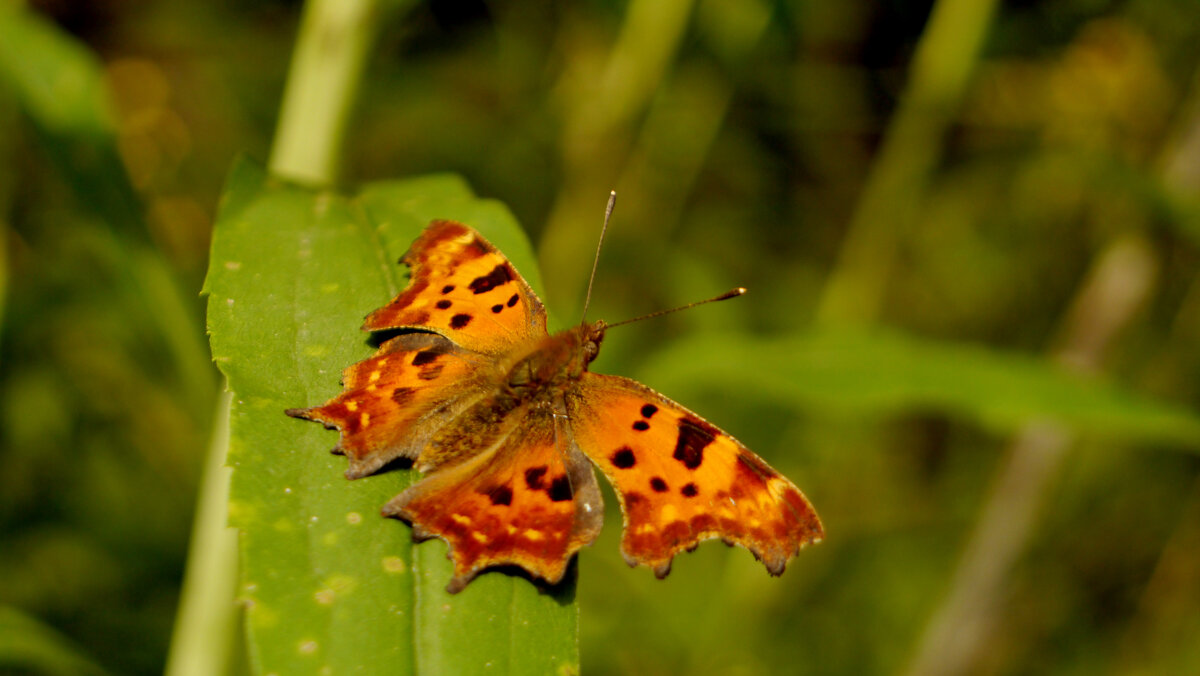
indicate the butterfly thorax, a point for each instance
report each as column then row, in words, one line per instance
column 557, row 359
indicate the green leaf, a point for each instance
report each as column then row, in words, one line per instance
column 330, row 585
column 886, row 372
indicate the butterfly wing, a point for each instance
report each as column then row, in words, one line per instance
column 396, row 400
column 463, row 288
column 681, row 480
column 525, row 497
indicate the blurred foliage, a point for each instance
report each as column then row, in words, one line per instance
column 744, row 138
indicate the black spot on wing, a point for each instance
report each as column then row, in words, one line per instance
column 513, row 301
column 447, row 289
column 444, row 304
column 497, row 308
column 649, row 410
column 641, row 425
column 424, row 357
column 689, row 491
column 560, row 489
column 459, row 321
column 431, row 371
column 658, row 485
column 533, row 477
column 500, row 495
column 499, row 276
column 623, row 458
column 478, row 247
column 694, row 436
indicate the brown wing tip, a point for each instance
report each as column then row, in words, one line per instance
column 301, row 413
column 458, row 583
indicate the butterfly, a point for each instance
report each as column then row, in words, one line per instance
column 505, row 421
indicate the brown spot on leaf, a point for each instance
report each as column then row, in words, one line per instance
column 459, row 321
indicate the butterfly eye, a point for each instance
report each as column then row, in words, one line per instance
column 591, row 349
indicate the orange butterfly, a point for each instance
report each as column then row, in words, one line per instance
column 503, row 418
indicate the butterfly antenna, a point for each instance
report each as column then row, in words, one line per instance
column 732, row 293
column 612, row 202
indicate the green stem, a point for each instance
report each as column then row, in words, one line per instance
column 596, row 136
column 331, row 52
column 912, row 147
column 202, row 642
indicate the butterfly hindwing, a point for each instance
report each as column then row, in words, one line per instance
column 531, row 500
column 681, row 480
column 463, row 288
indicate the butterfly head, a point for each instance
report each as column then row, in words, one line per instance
column 591, row 336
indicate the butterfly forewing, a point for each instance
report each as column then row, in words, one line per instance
column 466, row 290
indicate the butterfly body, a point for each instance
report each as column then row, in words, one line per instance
column 506, row 422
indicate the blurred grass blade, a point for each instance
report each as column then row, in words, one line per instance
column 60, row 85
column 912, row 146
column 329, row 585
column 29, row 647
column 886, row 372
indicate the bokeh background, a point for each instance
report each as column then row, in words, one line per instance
column 1019, row 178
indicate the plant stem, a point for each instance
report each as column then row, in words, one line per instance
column 912, row 145
column 1121, row 281
column 596, row 134
column 202, row 642
column 331, row 52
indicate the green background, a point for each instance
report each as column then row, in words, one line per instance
column 969, row 230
